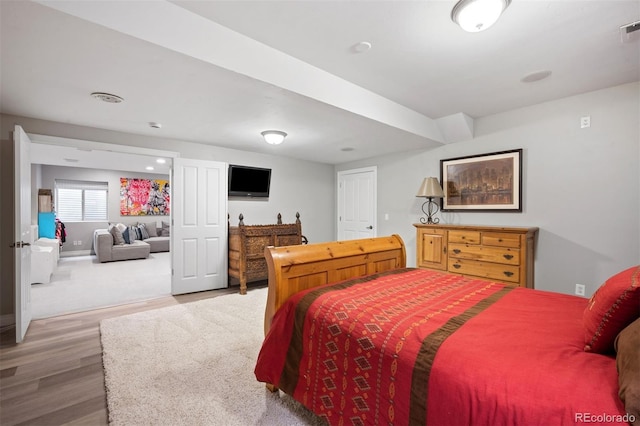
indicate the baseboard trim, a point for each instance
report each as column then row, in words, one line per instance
column 76, row 253
column 7, row 320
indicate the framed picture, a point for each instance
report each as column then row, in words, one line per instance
column 144, row 197
column 487, row 182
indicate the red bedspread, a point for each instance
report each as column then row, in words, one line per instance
column 423, row 347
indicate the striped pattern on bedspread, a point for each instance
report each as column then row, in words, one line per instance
column 361, row 351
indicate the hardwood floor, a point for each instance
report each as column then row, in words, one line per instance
column 55, row 376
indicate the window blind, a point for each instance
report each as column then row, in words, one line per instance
column 78, row 201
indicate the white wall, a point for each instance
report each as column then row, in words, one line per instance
column 581, row 187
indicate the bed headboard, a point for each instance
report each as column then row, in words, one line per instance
column 296, row 268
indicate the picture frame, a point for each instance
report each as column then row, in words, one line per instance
column 482, row 183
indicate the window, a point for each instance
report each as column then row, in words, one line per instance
column 78, row 201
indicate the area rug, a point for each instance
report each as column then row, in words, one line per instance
column 192, row 364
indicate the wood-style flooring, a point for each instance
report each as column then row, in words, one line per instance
column 55, row 376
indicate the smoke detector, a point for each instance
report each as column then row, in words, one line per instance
column 630, row 32
column 107, row 97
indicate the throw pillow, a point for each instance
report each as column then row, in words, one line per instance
column 612, row 307
column 125, row 235
column 143, row 231
column 151, row 229
column 627, row 347
column 166, row 229
column 121, row 226
column 117, row 236
column 133, row 233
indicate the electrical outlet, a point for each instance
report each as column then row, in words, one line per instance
column 580, row 289
column 79, row 242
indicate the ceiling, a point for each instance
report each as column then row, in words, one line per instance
column 220, row 72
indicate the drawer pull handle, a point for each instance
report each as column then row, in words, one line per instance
column 456, row 251
column 508, row 256
column 507, row 273
column 457, row 266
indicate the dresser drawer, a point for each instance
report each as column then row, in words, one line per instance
column 483, row 253
column 491, row 271
column 500, row 239
column 466, row 236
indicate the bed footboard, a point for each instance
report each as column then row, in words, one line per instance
column 296, row 268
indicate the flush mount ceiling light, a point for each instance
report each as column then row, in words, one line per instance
column 107, row 97
column 273, row 137
column 478, row 15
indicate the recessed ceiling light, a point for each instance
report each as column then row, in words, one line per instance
column 161, row 161
column 535, row 76
column 71, row 160
column 107, row 97
column 149, row 168
column 347, row 149
column 155, row 125
column 363, row 46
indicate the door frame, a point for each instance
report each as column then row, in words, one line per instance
column 100, row 146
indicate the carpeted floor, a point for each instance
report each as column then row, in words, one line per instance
column 82, row 283
column 192, row 364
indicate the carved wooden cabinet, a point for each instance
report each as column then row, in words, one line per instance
column 246, row 248
column 494, row 253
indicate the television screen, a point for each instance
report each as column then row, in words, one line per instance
column 248, row 181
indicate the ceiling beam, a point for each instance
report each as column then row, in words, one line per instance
column 172, row 27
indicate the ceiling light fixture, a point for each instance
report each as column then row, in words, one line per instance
column 149, row 168
column 155, row 125
column 273, row 137
column 478, row 15
column 107, row 97
column 362, row 47
column 161, row 161
column 535, row 76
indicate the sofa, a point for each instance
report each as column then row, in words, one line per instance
column 122, row 242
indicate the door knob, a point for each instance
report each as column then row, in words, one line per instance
column 370, row 227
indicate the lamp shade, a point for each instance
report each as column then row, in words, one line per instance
column 478, row 15
column 430, row 188
column 273, row 137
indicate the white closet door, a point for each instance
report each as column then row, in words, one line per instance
column 357, row 204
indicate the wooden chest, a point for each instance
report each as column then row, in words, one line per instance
column 494, row 253
column 246, row 248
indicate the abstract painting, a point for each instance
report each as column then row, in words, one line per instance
column 144, row 197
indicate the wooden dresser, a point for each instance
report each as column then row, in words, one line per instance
column 246, row 248
column 494, row 253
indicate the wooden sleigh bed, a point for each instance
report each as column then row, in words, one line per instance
column 358, row 338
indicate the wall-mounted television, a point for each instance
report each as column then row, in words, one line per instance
column 247, row 181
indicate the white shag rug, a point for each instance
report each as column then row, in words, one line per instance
column 192, row 364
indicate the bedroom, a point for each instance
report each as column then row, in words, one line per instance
column 581, row 185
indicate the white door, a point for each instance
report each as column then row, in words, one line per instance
column 199, row 225
column 22, row 235
column 357, row 203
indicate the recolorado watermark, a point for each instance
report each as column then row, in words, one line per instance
column 604, row 418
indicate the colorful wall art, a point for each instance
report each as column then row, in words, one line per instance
column 144, row 197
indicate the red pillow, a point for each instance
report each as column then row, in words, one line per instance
column 612, row 307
